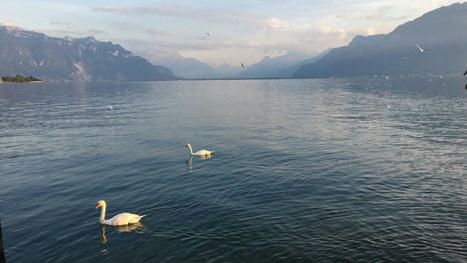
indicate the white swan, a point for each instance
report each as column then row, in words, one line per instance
column 117, row 220
column 203, row 153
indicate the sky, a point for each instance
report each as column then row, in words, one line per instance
column 216, row 31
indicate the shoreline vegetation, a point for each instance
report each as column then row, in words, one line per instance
column 20, row 79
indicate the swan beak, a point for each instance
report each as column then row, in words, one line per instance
column 98, row 205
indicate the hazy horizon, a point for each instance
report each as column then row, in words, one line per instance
column 217, row 32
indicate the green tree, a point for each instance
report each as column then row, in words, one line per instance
column 20, row 78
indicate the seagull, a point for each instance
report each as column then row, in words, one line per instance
column 242, row 65
column 419, row 48
column 110, row 107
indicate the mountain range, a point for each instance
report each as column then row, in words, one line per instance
column 433, row 43
column 279, row 67
column 269, row 67
column 30, row 53
column 191, row 68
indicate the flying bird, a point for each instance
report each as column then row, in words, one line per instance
column 243, row 66
column 419, row 48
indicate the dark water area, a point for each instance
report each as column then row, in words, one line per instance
column 2, row 253
column 338, row 170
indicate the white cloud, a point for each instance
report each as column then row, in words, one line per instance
column 276, row 23
column 182, row 11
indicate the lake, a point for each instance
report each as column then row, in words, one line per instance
column 336, row 170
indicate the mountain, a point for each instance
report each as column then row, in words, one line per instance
column 440, row 34
column 191, row 68
column 289, row 71
column 273, row 67
column 279, row 67
column 30, row 53
column 227, row 71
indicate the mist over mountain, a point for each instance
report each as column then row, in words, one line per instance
column 289, row 71
column 30, row 53
column 441, row 35
column 228, row 71
column 191, row 68
column 188, row 68
column 274, row 67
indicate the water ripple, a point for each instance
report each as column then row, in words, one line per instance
column 320, row 170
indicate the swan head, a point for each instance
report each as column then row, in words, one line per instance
column 100, row 203
column 187, row 145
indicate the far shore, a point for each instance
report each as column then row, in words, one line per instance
column 20, row 79
column 16, row 82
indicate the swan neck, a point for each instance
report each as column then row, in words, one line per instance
column 191, row 151
column 102, row 218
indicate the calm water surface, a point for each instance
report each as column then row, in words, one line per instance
column 346, row 170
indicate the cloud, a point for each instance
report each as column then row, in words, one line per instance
column 173, row 10
column 397, row 11
column 370, row 31
column 327, row 30
column 62, row 32
column 159, row 32
column 276, row 23
column 96, row 32
column 138, row 28
column 385, row 13
column 57, row 22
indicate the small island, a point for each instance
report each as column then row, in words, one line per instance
column 21, row 79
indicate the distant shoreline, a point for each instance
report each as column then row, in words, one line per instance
column 20, row 79
column 25, row 82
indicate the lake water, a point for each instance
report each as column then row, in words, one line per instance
column 338, row 170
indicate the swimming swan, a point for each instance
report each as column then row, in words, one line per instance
column 204, row 153
column 117, row 220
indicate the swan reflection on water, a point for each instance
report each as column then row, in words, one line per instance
column 120, row 229
column 202, row 157
column 189, row 162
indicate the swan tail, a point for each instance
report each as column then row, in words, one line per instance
column 135, row 219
